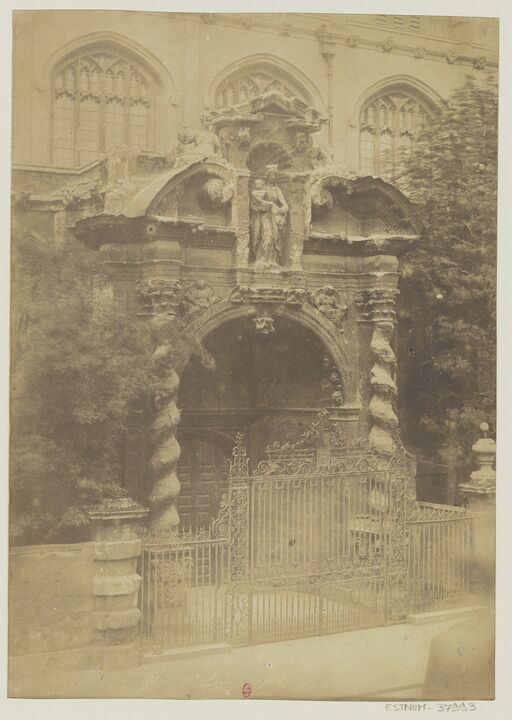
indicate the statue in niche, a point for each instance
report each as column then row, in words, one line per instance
column 268, row 215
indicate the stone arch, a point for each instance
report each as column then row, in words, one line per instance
column 150, row 196
column 276, row 67
column 407, row 83
column 145, row 81
column 306, row 316
column 390, row 115
column 114, row 40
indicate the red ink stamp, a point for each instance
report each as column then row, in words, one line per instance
column 246, row 690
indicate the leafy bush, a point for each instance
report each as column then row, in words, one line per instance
column 79, row 368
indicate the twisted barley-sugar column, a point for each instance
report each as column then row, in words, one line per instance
column 165, row 448
column 384, row 419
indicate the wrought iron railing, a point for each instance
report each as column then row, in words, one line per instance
column 438, row 556
column 312, row 540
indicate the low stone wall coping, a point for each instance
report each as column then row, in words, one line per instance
column 37, row 549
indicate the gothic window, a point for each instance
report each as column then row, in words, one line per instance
column 100, row 100
column 388, row 125
column 244, row 85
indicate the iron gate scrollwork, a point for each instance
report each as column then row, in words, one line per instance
column 319, row 537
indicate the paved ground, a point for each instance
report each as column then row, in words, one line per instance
column 378, row 663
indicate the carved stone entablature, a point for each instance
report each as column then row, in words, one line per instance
column 294, row 112
column 268, row 295
column 377, row 304
column 327, row 300
column 270, row 128
column 319, row 243
column 165, row 296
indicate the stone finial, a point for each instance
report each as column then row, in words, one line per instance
column 485, row 451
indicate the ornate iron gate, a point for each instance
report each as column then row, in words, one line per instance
column 320, row 537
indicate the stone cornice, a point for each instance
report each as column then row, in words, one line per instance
column 323, row 28
column 100, row 230
column 336, row 244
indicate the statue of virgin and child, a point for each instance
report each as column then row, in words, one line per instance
column 268, row 216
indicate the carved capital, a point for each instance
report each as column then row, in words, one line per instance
column 377, row 304
column 160, row 295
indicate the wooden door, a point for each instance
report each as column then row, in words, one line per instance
column 203, row 475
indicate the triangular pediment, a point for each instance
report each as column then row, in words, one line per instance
column 273, row 103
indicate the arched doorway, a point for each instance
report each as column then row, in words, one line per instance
column 268, row 384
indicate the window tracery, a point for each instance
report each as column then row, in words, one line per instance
column 245, row 85
column 100, row 100
column 388, row 125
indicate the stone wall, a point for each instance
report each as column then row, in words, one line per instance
column 51, row 604
column 191, row 53
column 74, row 607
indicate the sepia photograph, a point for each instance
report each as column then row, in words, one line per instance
column 253, row 265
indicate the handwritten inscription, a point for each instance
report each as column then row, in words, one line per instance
column 439, row 707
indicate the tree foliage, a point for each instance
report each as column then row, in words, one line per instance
column 78, row 370
column 449, row 280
